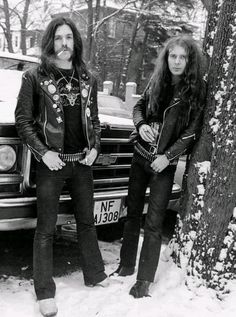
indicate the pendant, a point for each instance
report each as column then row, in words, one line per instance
column 59, row 119
column 71, row 98
column 69, row 87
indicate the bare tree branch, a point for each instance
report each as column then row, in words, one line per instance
column 100, row 23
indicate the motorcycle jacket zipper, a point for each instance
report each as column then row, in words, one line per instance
column 164, row 121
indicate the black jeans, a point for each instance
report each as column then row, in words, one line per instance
column 49, row 185
column 142, row 175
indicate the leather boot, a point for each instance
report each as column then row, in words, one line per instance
column 123, row 271
column 104, row 283
column 140, row 289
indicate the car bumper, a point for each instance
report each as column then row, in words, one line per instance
column 20, row 213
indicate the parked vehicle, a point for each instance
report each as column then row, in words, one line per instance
column 16, row 61
column 17, row 165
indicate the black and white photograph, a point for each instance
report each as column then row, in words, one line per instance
column 117, row 158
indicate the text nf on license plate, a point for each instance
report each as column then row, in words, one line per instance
column 106, row 211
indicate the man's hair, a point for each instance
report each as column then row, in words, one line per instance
column 192, row 84
column 47, row 44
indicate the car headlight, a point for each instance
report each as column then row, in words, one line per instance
column 7, row 157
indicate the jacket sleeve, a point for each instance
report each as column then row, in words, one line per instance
column 140, row 109
column 24, row 115
column 94, row 117
column 188, row 137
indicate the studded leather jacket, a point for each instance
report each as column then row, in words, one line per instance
column 39, row 112
column 176, row 136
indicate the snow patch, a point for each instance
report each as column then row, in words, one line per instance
column 201, row 189
column 203, row 169
column 169, row 295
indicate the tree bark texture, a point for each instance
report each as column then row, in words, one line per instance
column 206, row 239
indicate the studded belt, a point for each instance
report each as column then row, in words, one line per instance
column 76, row 157
column 150, row 154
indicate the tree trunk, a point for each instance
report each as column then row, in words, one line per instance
column 102, row 51
column 90, row 33
column 129, row 54
column 7, row 29
column 205, row 242
column 131, row 48
column 23, row 27
column 140, row 66
column 119, row 70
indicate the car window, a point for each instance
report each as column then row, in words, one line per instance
column 9, row 63
column 113, row 106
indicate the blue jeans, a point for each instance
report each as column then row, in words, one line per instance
column 49, row 186
column 142, row 175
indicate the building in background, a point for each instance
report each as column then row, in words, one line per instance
column 121, row 42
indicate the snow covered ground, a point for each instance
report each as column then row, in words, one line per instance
column 169, row 295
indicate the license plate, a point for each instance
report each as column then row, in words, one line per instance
column 106, row 211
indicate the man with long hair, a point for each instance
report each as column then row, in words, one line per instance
column 57, row 117
column 168, row 120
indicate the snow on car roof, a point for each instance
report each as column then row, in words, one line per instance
column 19, row 57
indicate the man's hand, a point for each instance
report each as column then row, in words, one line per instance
column 146, row 133
column 53, row 161
column 160, row 163
column 90, row 156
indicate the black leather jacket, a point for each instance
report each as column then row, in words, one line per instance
column 176, row 136
column 39, row 112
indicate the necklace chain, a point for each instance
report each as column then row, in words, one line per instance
column 68, row 85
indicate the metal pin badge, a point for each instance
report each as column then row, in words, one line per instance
column 84, row 93
column 55, row 97
column 88, row 112
column 52, row 89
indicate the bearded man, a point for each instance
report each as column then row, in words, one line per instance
column 57, row 118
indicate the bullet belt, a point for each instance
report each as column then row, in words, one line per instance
column 150, row 154
column 76, row 157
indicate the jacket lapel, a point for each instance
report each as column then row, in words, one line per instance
column 49, row 86
column 85, row 89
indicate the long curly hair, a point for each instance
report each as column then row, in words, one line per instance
column 47, row 44
column 191, row 86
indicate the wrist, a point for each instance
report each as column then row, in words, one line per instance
column 138, row 126
column 167, row 159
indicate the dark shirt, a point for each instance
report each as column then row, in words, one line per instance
column 166, row 98
column 156, row 120
column 68, row 84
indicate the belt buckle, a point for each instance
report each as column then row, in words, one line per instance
column 153, row 149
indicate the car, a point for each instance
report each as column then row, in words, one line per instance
column 16, row 61
column 111, row 169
